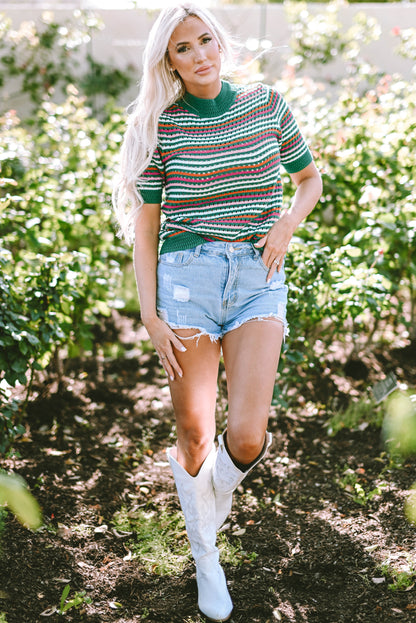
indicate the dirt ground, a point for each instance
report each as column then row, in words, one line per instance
column 320, row 525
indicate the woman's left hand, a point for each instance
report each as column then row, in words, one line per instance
column 275, row 244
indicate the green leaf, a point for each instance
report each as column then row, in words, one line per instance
column 410, row 505
column 64, row 595
column 14, row 493
column 353, row 251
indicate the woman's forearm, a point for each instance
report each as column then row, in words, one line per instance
column 145, row 257
column 276, row 242
column 145, row 263
column 308, row 192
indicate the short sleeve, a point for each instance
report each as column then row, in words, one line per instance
column 152, row 180
column 294, row 151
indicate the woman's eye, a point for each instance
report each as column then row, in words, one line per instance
column 206, row 39
column 181, row 49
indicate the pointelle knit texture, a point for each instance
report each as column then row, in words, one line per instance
column 216, row 169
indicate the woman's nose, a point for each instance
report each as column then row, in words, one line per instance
column 199, row 54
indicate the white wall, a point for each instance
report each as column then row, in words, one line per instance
column 124, row 36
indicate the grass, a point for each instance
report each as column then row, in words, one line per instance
column 358, row 413
column 159, row 541
column 349, row 482
column 232, row 553
column 76, row 601
column 401, row 574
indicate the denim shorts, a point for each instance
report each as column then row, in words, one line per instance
column 216, row 287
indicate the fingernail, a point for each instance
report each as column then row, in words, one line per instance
column 183, row 349
column 171, row 377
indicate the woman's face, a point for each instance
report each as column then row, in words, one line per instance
column 195, row 54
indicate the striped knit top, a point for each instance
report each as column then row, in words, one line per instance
column 216, row 169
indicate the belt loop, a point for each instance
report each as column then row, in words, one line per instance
column 197, row 250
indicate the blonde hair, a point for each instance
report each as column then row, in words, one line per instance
column 159, row 88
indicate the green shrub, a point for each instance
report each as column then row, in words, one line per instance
column 59, row 257
column 352, row 264
column 318, row 38
column 41, row 59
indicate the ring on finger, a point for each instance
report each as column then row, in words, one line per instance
column 275, row 261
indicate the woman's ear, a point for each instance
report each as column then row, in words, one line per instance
column 168, row 61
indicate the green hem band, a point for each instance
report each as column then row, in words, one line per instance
column 180, row 242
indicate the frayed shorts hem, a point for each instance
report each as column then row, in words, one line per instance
column 201, row 331
column 217, row 287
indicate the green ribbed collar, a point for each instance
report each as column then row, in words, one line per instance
column 210, row 107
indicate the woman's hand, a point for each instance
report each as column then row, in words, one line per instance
column 165, row 342
column 275, row 244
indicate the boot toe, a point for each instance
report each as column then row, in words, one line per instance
column 214, row 600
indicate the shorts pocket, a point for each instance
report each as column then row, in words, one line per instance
column 278, row 275
column 259, row 259
column 178, row 258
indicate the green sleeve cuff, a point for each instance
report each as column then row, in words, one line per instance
column 299, row 164
column 151, row 196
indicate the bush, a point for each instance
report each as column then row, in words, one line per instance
column 59, row 258
column 353, row 263
column 41, row 60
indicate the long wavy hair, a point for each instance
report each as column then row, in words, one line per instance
column 159, row 88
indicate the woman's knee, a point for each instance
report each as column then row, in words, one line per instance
column 194, row 445
column 245, row 447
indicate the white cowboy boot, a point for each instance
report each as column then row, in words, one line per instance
column 197, row 499
column 226, row 478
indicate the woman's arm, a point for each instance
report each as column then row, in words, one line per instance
column 276, row 241
column 145, row 257
column 308, row 191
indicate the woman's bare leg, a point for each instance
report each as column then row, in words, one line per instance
column 194, row 398
column 251, row 356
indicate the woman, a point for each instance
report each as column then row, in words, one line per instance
column 210, row 274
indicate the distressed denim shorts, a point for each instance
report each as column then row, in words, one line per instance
column 217, row 287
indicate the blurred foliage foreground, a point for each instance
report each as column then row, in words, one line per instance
column 352, row 265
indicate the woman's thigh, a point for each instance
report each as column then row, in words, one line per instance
column 194, row 397
column 251, row 356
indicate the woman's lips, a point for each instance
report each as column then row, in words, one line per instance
column 203, row 70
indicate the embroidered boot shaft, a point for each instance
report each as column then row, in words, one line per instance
column 227, row 477
column 197, row 499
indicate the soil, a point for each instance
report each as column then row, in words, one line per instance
column 311, row 549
